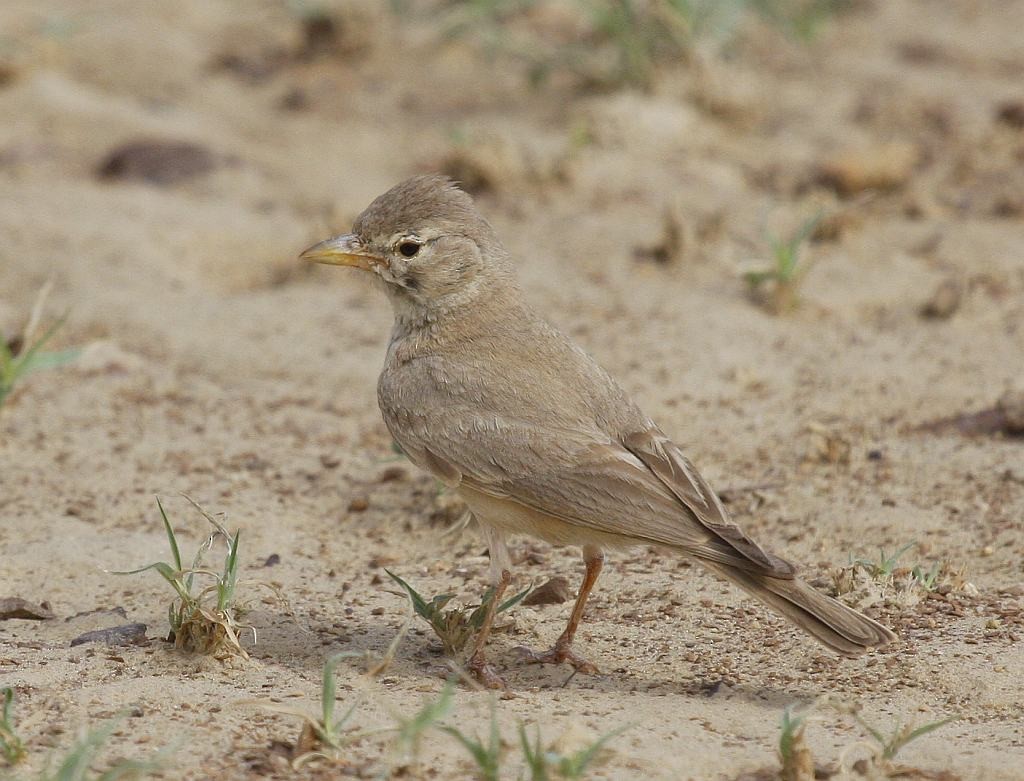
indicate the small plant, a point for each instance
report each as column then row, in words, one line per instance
column 797, row 764
column 454, row 626
column 77, row 764
column 888, row 747
column 927, row 579
column 324, row 736
column 12, row 748
column 487, row 757
column 869, row 580
column 410, row 730
column 883, row 568
column 884, row 571
column 539, row 762
column 24, row 354
column 777, row 284
column 202, row 621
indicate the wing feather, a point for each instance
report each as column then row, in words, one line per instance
column 678, row 474
column 642, row 489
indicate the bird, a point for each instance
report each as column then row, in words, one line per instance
column 480, row 391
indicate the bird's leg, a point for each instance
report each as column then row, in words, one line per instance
column 562, row 650
column 477, row 663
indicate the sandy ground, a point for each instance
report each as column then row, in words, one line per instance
column 217, row 366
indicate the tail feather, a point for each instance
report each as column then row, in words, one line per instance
column 831, row 623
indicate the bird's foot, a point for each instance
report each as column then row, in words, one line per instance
column 485, row 674
column 556, row 655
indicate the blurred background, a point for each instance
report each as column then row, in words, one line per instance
column 152, row 151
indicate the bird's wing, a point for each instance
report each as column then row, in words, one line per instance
column 642, row 488
column 675, row 471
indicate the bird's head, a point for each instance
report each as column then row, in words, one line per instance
column 426, row 241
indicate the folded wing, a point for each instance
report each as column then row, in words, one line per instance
column 641, row 488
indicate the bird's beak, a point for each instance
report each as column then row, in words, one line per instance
column 344, row 250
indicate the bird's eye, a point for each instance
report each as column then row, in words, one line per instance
column 408, row 248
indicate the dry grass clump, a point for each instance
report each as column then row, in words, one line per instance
column 797, row 762
column 202, row 620
column 866, row 581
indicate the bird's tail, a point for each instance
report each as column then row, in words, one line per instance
column 831, row 623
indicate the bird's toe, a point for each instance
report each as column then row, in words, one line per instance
column 557, row 655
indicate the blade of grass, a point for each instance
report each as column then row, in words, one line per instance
column 226, row 589
column 171, row 538
column 12, row 748
column 576, row 765
column 487, row 758
column 899, row 740
column 418, row 603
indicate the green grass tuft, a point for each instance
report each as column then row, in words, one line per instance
column 777, row 284
column 77, row 764
column 203, row 620
column 454, row 626
column 540, row 762
column 486, row 756
column 12, row 747
column 24, row 354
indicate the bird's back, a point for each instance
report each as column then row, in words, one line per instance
column 519, row 368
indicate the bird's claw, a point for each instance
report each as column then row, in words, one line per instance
column 557, row 655
column 485, row 674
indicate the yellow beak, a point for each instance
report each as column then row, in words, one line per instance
column 344, row 250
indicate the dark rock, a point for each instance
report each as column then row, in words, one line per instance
column 1011, row 404
column 157, row 162
column 16, row 607
column 127, row 634
column 554, row 592
column 944, row 301
column 1011, row 112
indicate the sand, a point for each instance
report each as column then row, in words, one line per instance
column 215, row 365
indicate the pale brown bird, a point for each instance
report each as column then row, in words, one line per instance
column 538, row 439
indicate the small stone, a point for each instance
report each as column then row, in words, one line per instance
column 294, row 99
column 156, row 161
column 676, row 239
column 358, row 504
column 392, row 474
column 1011, row 112
column 944, row 301
column 16, row 607
column 127, row 634
column 1011, row 404
column 886, row 167
column 320, row 35
column 554, row 592
column 7, row 74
